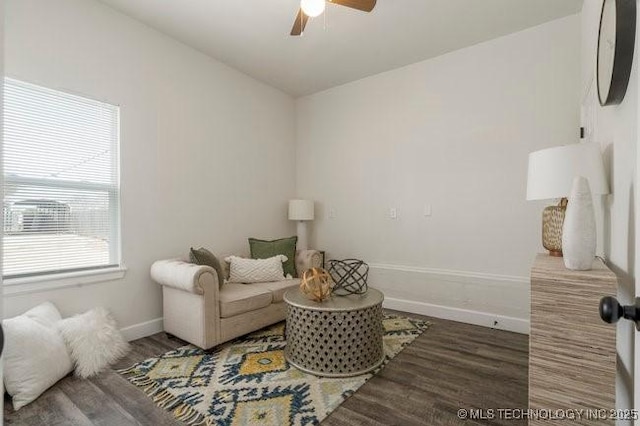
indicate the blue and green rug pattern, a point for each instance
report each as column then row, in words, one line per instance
column 249, row 382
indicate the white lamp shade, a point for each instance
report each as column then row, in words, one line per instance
column 301, row 210
column 552, row 170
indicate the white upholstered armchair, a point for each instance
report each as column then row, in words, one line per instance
column 200, row 311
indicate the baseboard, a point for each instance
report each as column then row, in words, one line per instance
column 500, row 322
column 459, row 276
column 143, row 329
column 490, row 300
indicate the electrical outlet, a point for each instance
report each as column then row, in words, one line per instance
column 393, row 213
column 426, row 211
column 332, row 213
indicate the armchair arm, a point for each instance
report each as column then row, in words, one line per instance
column 181, row 275
column 307, row 259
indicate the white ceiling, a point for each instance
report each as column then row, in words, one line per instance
column 253, row 35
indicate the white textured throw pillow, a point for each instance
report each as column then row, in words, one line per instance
column 36, row 356
column 94, row 341
column 256, row 270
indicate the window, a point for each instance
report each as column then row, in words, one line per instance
column 61, row 204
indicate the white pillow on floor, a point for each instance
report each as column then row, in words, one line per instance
column 94, row 341
column 248, row 271
column 35, row 356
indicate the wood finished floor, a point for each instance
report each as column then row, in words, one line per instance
column 451, row 366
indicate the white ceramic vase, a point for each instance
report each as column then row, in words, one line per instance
column 579, row 229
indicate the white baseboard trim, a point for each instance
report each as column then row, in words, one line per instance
column 451, row 273
column 500, row 322
column 143, row 329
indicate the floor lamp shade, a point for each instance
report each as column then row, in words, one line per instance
column 301, row 211
column 550, row 176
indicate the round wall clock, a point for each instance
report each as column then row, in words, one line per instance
column 616, row 40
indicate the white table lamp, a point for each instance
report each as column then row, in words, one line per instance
column 301, row 211
column 551, row 174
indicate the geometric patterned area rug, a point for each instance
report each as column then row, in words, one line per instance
column 248, row 382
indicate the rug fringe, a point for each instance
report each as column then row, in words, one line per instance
column 138, row 378
column 126, row 371
column 188, row 415
column 165, row 399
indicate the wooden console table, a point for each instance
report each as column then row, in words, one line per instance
column 572, row 352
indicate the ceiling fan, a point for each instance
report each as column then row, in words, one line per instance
column 313, row 8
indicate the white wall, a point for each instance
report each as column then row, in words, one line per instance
column 616, row 129
column 453, row 133
column 207, row 152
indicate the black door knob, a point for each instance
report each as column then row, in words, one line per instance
column 611, row 311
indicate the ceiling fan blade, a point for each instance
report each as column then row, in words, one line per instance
column 364, row 5
column 299, row 23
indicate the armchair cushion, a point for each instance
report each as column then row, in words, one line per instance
column 236, row 299
column 279, row 288
column 261, row 249
column 202, row 256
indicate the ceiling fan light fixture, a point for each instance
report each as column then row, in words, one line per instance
column 312, row 8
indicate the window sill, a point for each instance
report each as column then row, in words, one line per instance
column 17, row 286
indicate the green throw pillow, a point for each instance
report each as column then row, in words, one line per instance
column 261, row 249
column 202, row 256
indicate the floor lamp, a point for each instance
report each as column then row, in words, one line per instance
column 301, row 211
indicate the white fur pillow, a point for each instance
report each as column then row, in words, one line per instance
column 93, row 340
column 256, row 270
column 36, row 356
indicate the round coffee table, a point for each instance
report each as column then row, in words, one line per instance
column 339, row 337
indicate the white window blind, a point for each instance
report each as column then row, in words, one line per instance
column 61, row 202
